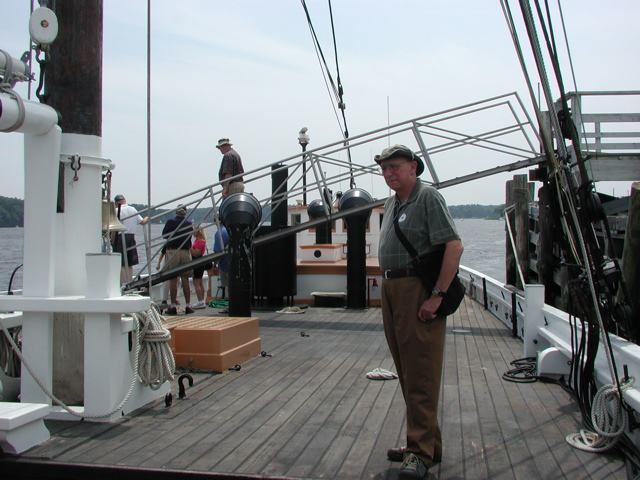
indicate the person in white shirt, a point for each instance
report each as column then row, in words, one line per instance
column 125, row 242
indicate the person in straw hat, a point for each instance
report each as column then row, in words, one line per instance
column 231, row 169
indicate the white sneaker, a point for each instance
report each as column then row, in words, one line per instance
column 199, row 305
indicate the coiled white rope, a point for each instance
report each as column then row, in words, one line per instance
column 156, row 359
column 9, row 362
column 608, row 426
column 55, row 399
column 151, row 344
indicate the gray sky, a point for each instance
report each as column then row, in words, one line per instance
column 247, row 70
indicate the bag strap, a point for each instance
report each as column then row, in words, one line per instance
column 407, row 245
column 405, row 242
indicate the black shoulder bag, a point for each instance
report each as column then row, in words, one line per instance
column 428, row 268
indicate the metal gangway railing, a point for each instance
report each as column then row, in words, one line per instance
column 609, row 132
column 457, row 145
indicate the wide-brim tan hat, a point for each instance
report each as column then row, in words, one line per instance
column 400, row 151
column 222, row 142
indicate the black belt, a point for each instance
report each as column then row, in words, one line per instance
column 405, row 272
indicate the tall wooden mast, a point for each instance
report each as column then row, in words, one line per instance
column 73, row 86
column 74, row 76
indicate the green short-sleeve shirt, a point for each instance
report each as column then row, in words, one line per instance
column 424, row 219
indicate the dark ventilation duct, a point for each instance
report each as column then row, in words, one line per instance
column 356, row 246
column 275, row 263
column 279, row 174
column 240, row 213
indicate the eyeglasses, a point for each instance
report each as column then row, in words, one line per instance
column 392, row 167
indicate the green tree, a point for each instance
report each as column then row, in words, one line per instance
column 11, row 212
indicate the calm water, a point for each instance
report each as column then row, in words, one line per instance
column 484, row 242
column 484, row 245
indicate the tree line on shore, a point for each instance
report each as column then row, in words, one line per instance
column 12, row 212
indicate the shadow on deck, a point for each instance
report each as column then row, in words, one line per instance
column 309, row 412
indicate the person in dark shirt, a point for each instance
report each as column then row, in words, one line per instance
column 178, row 232
column 231, row 166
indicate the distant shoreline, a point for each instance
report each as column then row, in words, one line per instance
column 12, row 212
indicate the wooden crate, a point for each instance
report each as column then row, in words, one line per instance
column 214, row 343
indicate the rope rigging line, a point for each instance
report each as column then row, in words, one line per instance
column 567, row 128
column 147, row 227
column 542, row 73
column 338, row 90
column 590, row 294
column 573, row 74
column 582, row 255
column 331, row 86
column 30, row 61
column 341, row 105
column 545, row 136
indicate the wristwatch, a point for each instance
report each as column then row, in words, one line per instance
column 437, row 292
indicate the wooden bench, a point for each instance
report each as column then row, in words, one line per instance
column 22, row 426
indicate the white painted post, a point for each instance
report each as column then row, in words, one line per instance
column 533, row 318
column 41, row 167
column 106, row 361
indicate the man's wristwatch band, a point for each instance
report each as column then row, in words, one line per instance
column 437, row 292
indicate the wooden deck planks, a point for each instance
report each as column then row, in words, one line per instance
column 309, row 411
column 279, row 392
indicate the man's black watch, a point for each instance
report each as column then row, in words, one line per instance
column 437, row 292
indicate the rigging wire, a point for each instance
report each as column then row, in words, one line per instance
column 573, row 77
column 566, row 42
column 147, row 227
column 337, row 89
column 590, row 292
column 545, row 136
column 30, row 59
column 341, row 105
column 542, row 73
column 569, row 131
column 331, row 86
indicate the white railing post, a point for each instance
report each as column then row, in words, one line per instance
column 533, row 318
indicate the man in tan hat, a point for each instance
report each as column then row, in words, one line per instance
column 415, row 332
column 230, row 168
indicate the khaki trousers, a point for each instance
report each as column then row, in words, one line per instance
column 417, row 349
column 235, row 187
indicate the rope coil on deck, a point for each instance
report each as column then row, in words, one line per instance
column 608, row 426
